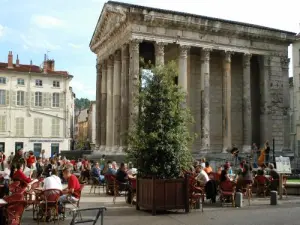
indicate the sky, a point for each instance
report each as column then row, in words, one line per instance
column 63, row 28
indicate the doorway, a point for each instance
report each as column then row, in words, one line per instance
column 2, row 146
column 54, row 149
column 37, row 148
column 18, row 146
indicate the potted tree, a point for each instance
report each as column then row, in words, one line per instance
column 159, row 142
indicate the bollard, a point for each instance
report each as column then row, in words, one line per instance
column 238, row 199
column 273, row 197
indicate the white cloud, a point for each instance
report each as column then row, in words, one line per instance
column 32, row 42
column 84, row 90
column 75, row 45
column 47, row 22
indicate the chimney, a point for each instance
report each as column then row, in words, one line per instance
column 45, row 64
column 30, row 62
column 10, row 64
column 50, row 65
column 17, row 61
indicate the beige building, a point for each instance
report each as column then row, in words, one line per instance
column 36, row 107
column 235, row 75
column 295, row 98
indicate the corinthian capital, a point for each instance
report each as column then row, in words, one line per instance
column 227, row 56
column 184, row 50
column 125, row 52
column 246, row 60
column 205, row 54
column 160, row 48
column 110, row 61
column 117, row 55
column 135, row 44
column 285, row 61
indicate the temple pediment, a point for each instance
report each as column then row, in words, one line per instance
column 110, row 20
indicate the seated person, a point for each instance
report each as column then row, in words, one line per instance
column 110, row 170
column 53, row 182
column 72, row 192
column 20, row 176
column 207, row 168
column 202, row 176
column 122, row 177
column 224, row 175
column 96, row 172
column 274, row 177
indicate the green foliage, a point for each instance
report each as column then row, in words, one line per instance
column 82, row 103
column 159, row 142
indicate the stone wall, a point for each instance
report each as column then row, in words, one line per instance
column 216, row 102
column 237, row 100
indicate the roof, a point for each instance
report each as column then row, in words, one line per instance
column 29, row 68
column 127, row 5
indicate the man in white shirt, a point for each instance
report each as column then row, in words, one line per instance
column 202, row 177
column 53, row 182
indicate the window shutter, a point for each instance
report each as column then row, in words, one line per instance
column 53, row 127
column 32, row 99
column 7, row 97
column 26, row 99
column 50, row 100
column 35, row 126
column 61, row 100
column 40, row 126
column 14, row 98
column 44, row 99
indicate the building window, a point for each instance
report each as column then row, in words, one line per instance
column 55, row 100
column 37, row 148
column 2, row 80
column 2, row 97
column 55, row 127
column 20, row 98
column 2, row 123
column 20, row 126
column 56, row 83
column 39, row 83
column 38, row 99
column 21, row 81
column 2, row 146
column 38, row 126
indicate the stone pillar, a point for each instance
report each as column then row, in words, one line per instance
column 124, row 95
column 182, row 77
column 286, row 101
column 134, row 80
column 159, row 53
column 117, row 100
column 227, row 101
column 98, row 105
column 205, row 74
column 103, row 106
column 247, row 111
column 109, row 112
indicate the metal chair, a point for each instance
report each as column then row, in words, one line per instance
column 78, row 213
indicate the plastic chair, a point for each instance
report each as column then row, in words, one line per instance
column 14, row 197
column 78, row 212
column 75, row 204
column 227, row 190
column 97, row 184
column 261, row 185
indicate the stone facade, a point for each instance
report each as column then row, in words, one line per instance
column 235, row 74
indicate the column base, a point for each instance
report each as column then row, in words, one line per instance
column 225, row 150
column 108, row 148
column 97, row 147
column 246, row 149
column 102, row 148
column 115, row 148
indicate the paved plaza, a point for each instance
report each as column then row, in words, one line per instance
column 259, row 213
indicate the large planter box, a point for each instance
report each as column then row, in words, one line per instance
column 162, row 194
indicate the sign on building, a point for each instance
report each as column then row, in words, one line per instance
column 283, row 164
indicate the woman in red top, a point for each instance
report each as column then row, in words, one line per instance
column 30, row 160
column 20, row 176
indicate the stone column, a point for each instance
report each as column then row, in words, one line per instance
column 227, row 101
column 98, row 105
column 286, row 101
column 103, row 106
column 124, row 95
column 117, row 99
column 109, row 112
column 247, row 111
column 159, row 53
column 134, row 80
column 205, row 74
column 182, row 77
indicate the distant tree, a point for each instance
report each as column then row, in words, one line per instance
column 82, row 103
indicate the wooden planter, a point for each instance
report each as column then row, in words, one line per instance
column 162, row 194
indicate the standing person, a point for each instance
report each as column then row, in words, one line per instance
column 102, row 162
column 235, row 153
column 30, row 161
column 255, row 153
column 43, row 155
column 10, row 158
column 17, row 160
column 267, row 152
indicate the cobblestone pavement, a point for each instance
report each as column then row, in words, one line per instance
column 259, row 213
